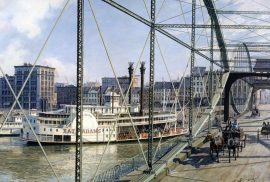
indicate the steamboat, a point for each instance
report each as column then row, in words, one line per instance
column 13, row 126
column 100, row 124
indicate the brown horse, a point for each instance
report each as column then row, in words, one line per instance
column 216, row 144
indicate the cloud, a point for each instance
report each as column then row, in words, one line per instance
column 64, row 72
column 13, row 54
column 26, row 16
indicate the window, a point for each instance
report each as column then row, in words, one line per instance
column 44, row 129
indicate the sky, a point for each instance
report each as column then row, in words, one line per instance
column 25, row 25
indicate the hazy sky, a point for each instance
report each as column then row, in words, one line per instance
column 25, row 24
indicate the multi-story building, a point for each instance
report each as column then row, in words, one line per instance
column 198, row 74
column 135, row 99
column 123, row 81
column 91, row 84
column 91, row 96
column 6, row 96
column 111, row 97
column 66, row 95
column 38, row 92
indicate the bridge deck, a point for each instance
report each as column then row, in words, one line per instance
column 253, row 163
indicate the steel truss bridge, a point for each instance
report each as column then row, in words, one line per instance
column 230, row 62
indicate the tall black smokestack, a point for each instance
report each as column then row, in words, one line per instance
column 130, row 71
column 142, row 68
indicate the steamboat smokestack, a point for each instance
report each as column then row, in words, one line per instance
column 130, row 71
column 142, row 69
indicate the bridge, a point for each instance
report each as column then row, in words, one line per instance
column 231, row 65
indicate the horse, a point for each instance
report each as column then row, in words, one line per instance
column 265, row 129
column 232, row 141
column 216, row 144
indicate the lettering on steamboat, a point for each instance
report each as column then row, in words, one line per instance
column 89, row 131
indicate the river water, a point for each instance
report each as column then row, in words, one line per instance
column 21, row 162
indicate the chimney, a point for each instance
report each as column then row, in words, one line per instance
column 142, row 69
column 130, row 71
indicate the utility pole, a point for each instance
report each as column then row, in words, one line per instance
column 79, row 107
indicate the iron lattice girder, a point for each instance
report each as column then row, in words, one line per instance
column 258, row 86
column 79, row 107
column 244, row 12
column 236, row 50
column 192, row 61
column 219, row 36
column 209, row 26
column 253, row 44
column 160, row 30
column 151, row 85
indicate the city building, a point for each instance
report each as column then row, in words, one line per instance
column 199, row 87
column 111, row 97
column 91, row 96
column 6, row 96
column 66, row 95
column 38, row 92
column 123, row 81
column 92, row 84
column 136, row 91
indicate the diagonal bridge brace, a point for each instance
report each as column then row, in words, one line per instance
column 160, row 30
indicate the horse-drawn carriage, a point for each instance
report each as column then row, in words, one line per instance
column 265, row 129
column 254, row 113
column 232, row 138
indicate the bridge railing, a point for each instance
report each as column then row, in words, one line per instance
column 136, row 162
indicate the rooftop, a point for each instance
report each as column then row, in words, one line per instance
column 30, row 65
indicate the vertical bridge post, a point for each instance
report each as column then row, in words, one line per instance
column 79, row 107
column 191, row 88
column 151, row 85
column 210, row 80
